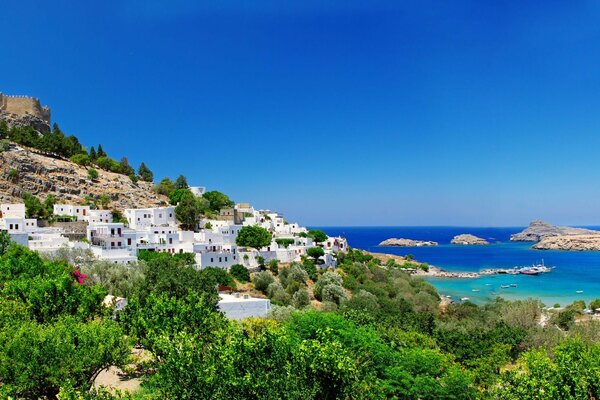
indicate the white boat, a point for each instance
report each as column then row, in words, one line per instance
column 464, row 299
column 475, row 290
column 513, row 285
column 579, row 291
column 504, row 286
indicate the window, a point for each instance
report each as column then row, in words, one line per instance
column 129, row 242
column 211, row 259
column 11, row 226
column 225, row 259
column 17, row 226
column 220, row 259
column 170, row 240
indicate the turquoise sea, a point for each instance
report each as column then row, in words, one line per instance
column 574, row 271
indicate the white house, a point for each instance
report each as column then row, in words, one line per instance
column 140, row 218
column 80, row 212
column 238, row 306
column 12, row 210
column 97, row 216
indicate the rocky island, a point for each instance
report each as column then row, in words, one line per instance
column 539, row 230
column 400, row 242
column 570, row 242
column 468, row 239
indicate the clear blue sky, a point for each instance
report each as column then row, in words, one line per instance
column 334, row 113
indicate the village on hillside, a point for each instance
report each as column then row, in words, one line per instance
column 213, row 242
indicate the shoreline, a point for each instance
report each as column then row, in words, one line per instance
column 434, row 271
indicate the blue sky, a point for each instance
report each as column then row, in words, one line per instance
column 334, row 113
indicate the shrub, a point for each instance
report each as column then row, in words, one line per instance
column 274, row 266
column 92, row 174
column 240, row 273
column 273, row 288
column 262, row 280
column 326, row 279
column 81, row 159
column 301, row 299
column 333, row 293
column 281, row 297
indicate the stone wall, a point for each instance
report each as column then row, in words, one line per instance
column 24, row 111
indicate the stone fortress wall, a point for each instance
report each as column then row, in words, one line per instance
column 24, row 105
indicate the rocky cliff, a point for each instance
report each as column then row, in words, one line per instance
column 22, row 170
column 538, row 230
column 571, row 242
column 468, row 239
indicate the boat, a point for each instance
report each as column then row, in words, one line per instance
column 579, row 291
column 513, row 285
column 475, row 290
column 488, row 284
column 504, row 286
column 464, row 299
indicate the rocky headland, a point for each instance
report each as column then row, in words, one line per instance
column 401, row 242
column 539, row 230
column 468, row 239
column 570, row 242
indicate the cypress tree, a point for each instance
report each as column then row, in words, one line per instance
column 93, row 154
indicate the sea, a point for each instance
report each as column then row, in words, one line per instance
column 576, row 275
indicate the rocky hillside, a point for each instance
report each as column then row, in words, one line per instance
column 22, row 170
column 538, row 230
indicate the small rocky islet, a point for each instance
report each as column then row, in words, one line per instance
column 468, row 239
column 402, row 242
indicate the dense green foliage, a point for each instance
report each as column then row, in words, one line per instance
column 379, row 334
column 53, row 332
column 253, row 236
column 317, row 235
column 218, row 200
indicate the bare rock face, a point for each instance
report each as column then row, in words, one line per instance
column 570, row 242
column 539, row 230
column 468, row 239
column 395, row 242
column 25, row 171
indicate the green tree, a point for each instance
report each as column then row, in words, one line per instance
column 125, row 168
column 33, row 206
column 93, row 155
column 274, row 266
column 328, row 278
column 218, row 200
column 92, row 174
column 262, row 280
column 595, row 304
column 36, row 360
column 240, row 273
column 145, row 173
column 188, row 211
column 100, row 153
column 175, row 196
column 253, row 236
column 315, row 253
column 104, row 201
column 317, row 235
column 165, row 186
column 181, row 182
column 301, row 299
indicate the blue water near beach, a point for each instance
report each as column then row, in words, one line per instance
column 574, row 270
